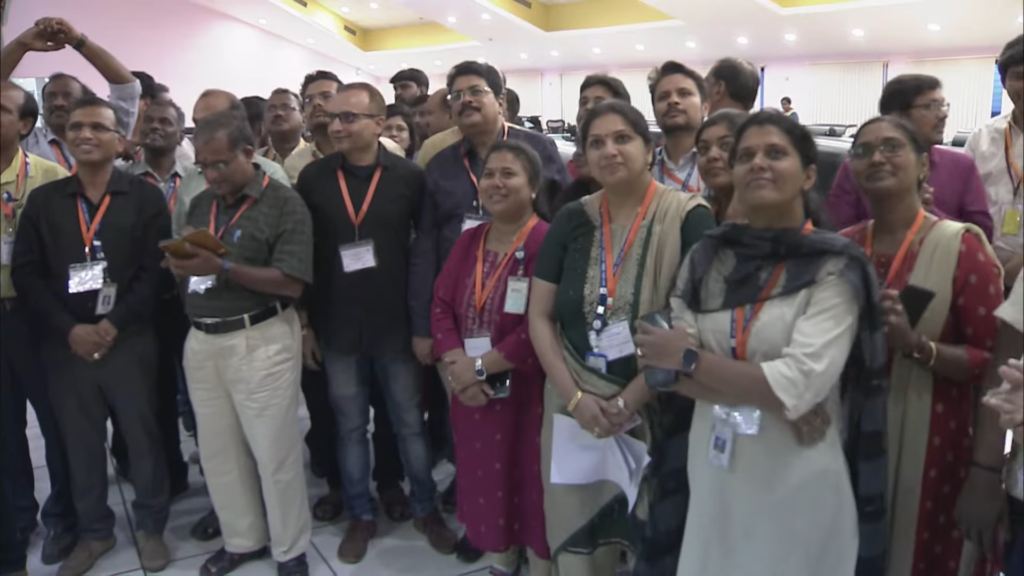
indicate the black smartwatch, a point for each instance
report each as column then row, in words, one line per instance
column 691, row 356
column 80, row 43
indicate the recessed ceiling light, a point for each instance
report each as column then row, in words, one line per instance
column 403, row 65
column 374, row 5
column 790, row 37
column 345, row 9
column 554, row 52
column 452, row 19
column 639, row 47
column 743, row 40
column 481, row 59
column 372, row 67
column 262, row 21
column 524, row 56
column 934, row 27
column 595, row 50
column 310, row 41
column 485, row 16
column 691, row 44
column 857, row 32
column 437, row 62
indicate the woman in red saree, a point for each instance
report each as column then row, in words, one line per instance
column 481, row 334
column 937, row 360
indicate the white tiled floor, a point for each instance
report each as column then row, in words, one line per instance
column 398, row 550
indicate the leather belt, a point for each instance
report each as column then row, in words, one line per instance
column 228, row 325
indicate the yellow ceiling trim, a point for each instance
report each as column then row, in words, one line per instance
column 806, row 3
column 583, row 15
column 326, row 18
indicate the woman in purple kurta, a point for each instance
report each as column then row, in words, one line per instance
column 479, row 331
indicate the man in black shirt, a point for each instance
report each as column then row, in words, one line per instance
column 364, row 202
column 87, row 263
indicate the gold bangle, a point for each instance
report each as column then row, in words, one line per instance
column 935, row 353
column 575, row 400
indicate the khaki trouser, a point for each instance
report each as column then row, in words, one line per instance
column 244, row 388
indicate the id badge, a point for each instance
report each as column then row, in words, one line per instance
column 200, row 284
column 106, row 299
column 477, row 347
column 720, row 448
column 1011, row 225
column 86, row 277
column 358, row 256
column 598, row 362
column 745, row 420
column 516, row 295
column 6, row 249
column 470, row 221
column 616, row 341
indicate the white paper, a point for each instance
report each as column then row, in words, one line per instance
column 477, row 347
column 6, row 250
column 358, row 256
column 578, row 458
column 616, row 341
column 471, row 221
column 516, row 295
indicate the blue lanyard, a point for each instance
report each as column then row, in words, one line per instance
column 664, row 170
column 600, row 321
column 172, row 186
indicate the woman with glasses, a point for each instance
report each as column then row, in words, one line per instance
column 715, row 139
column 399, row 128
column 940, row 285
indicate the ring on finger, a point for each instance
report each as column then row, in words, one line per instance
column 639, row 352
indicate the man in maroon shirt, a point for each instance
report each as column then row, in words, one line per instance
column 956, row 189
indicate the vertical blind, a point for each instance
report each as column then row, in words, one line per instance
column 966, row 85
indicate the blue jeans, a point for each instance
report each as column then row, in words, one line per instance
column 400, row 378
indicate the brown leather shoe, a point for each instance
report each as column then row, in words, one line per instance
column 357, row 538
column 85, row 554
column 439, row 535
column 153, row 551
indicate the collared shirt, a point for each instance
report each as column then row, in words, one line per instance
column 274, row 232
column 451, row 195
column 678, row 175
column 270, row 153
column 124, row 99
column 141, row 168
column 50, row 240
column 37, row 172
column 368, row 310
column 436, row 143
column 301, row 158
column 193, row 183
column 959, row 193
column 987, row 145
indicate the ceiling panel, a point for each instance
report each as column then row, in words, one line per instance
column 373, row 15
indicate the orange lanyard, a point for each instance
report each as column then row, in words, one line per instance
column 357, row 220
column 901, row 254
column 1012, row 167
column 6, row 203
column 245, row 206
column 742, row 324
column 62, row 159
column 465, row 162
column 171, row 193
column 482, row 293
column 684, row 185
column 89, row 232
column 611, row 264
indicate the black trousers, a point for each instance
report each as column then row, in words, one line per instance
column 172, row 328
column 439, row 430
column 81, row 392
column 23, row 378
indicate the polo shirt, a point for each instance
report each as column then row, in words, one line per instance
column 193, row 182
column 275, row 231
column 37, row 172
column 301, row 158
column 987, row 145
column 365, row 311
column 142, row 169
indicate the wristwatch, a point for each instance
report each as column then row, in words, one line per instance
column 691, row 356
column 478, row 367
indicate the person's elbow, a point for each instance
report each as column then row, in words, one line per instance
column 292, row 287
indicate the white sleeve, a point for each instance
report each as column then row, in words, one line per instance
column 1012, row 310
column 972, row 143
column 124, row 99
column 813, row 361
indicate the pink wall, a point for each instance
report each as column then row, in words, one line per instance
column 185, row 46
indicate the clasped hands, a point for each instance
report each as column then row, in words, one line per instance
column 49, row 35
column 462, row 381
column 91, row 342
column 600, row 417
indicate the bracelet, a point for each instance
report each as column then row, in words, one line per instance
column 575, row 400
column 935, row 354
column 80, row 43
column 991, row 469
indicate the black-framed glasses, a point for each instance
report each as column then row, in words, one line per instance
column 867, row 151
column 473, row 92
column 350, row 117
column 934, row 106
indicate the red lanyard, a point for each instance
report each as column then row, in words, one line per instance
column 62, row 159
column 741, row 323
column 465, row 162
column 23, row 172
column 1012, row 167
column 245, row 206
column 480, row 291
column 358, row 219
column 901, row 254
column 89, row 233
column 171, row 194
column 611, row 264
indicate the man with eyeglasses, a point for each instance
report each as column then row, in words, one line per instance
column 62, row 90
column 953, row 189
column 284, row 125
column 86, row 262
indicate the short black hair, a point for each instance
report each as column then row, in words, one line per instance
column 1012, row 55
column 420, row 100
column 86, row 91
column 377, row 104
column 623, row 110
column 29, row 109
column 94, row 101
column 228, row 124
column 402, row 111
column 728, row 117
column 526, row 155
column 787, row 100
column 161, row 89
column 414, row 75
column 318, row 76
column 148, row 84
column 671, row 68
column 610, row 83
column 742, row 80
column 900, row 124
column 296, row 97
column 899, row 94
column 167, row 103
column 255, row 109
column 512, row 102
column 489, row 73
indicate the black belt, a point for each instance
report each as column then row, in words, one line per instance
column 240, row 323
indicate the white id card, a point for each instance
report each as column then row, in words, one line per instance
column 6, row 250
column 86, row 277
column 357, row 256
column 616, row 341
column 720, row 449
column 470, row 221
column 516, row 295
column 200, row 284
column 477, row 347
column 106, row 299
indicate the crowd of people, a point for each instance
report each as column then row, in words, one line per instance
column 822, row 388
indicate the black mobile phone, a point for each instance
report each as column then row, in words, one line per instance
column 501, row 384
column 915, row 301
column 659, row 378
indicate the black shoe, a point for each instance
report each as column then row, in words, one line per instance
column 295, row 567
column 57, row 546
column 207, row 528
column 224, row 562
column 466, row 552
column 188, row 423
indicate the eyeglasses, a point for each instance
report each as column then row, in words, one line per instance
column 98, row 129
column 933, row 106
column 283, row 109
column 214, row 167
column 867, row 151
column 473, row 92
column 349, row 117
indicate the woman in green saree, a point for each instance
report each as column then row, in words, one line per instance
column 608, row 259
